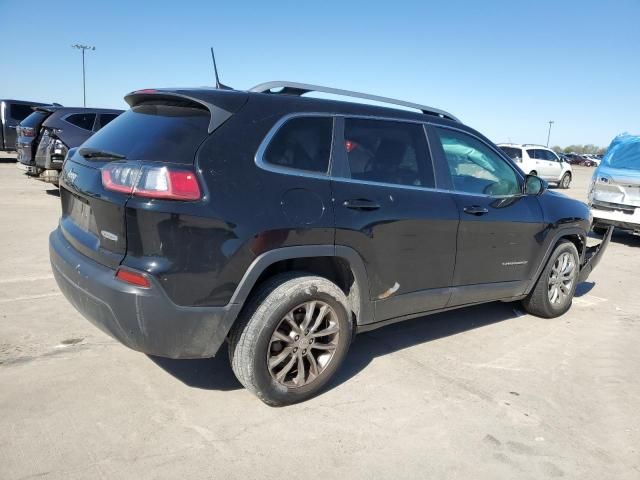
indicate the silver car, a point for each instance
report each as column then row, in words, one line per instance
column 614, row 195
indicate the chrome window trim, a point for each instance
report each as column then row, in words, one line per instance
column 262, row 148
column 261, row 163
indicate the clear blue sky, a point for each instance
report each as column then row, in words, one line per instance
column 503, row 67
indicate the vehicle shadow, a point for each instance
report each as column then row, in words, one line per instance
column 205, row 373
column 402, row 335
column 584, row 288
column 8, row 160
column 216, row 374
column 54, row 192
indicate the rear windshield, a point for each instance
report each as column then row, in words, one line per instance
column 34, row 120
column 512, row 153
column 624, row 152
column 162, row 133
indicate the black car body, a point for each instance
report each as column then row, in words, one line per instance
column 180, row 213
column 12, row 112
column 45, row 137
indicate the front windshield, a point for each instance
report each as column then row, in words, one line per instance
column 624, row 152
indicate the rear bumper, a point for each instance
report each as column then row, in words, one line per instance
column 143, row 319
column 617, row 218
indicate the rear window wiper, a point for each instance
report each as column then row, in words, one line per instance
column 87, row 152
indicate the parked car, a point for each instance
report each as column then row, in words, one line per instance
column 12, row 112
column 593, row 158
column 540, row 161
column 47, row 134
column 614, row 195
column 288, row 224
column 575, row 159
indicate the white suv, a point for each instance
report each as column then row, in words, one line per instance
column 540, row 161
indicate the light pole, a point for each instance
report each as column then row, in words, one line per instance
column 551, row 122
column 84, row 88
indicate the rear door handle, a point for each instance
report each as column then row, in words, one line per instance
column 361, row 204
column 475, row 210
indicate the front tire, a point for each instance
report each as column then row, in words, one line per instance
column 290, row 338
column 553, row 293
column 565, row 182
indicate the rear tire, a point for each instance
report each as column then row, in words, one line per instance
column 553, row 293
column 276, row 348
column 565, row 182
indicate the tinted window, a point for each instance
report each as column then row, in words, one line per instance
column 82, row 120
column 387, row 152
column 533, row 153
column 154, row 132
column 106, row 118
column 551, row 156
column 34, row 120
column 20, row 112
column 513, row 153
column 475, row 167
column 303, row 143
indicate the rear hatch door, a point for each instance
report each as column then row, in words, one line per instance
column 156, row 130
column 28, row 134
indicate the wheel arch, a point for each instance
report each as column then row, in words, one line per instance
column 575, row 235
column 342, row 265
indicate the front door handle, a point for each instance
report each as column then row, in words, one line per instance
column 475, row 210
column 361, row 204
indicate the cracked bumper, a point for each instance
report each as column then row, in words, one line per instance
column 593, row 255
column 143, row 319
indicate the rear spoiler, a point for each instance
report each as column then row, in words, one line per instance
column 222, row 104
column 46, row 108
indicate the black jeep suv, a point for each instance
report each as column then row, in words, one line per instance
column 286, row 224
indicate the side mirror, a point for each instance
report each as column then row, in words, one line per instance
column 534, row 185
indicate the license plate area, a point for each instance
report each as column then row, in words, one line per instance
column 81, row 214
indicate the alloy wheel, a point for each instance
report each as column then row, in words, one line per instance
column 303, row 344
column 561, row 278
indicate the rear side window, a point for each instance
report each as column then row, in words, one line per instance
column 513, row 153
column 156, row 132
column 302, row 143
column 20, row 112
column 82, row 120
column 534, row 154
column 106, row 118
column 387, row 152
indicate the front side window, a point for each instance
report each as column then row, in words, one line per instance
column 387, row 152
column 476, row 168
column 82, row 120
column 302, row 143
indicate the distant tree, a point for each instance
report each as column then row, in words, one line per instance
column 557, row 149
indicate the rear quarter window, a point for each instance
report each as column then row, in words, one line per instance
column 302, row 143
column 513, row 153
column 155, row 132
column 82, row 120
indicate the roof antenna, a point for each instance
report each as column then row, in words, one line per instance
column 215, row 70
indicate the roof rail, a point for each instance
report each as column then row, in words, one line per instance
column 294, row 88
column 536, row 145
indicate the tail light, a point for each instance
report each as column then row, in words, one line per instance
column 26, row 132
column 148, row 181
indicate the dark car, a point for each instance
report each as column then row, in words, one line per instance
column 286, row 224
column 47, row 134
column 12, row 112
column 575, row 159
